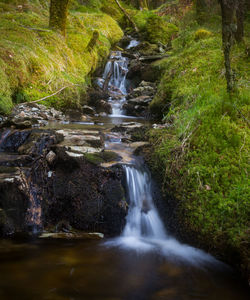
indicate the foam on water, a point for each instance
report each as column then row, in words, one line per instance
column 144, row 230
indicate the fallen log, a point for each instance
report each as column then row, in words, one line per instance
column 153, row 57
column 127, row 16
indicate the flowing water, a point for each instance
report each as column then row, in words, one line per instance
column 116, row 71
column 144, row 263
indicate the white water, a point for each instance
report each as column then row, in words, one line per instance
column 118, row 65
column 132, row 44
column 144, row 231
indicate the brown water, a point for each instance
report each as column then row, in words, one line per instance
column 60, row 270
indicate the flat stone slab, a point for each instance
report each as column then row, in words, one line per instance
column 85, row 149
column 72, row 235
column 81, row 138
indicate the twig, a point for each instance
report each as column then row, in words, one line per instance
column 36, row 29
column 63, row 88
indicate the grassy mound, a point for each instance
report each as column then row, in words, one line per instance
column 36, row 62
column 203, row 156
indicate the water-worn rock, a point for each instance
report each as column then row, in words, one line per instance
column 139, row 100
column 72, row 235
column 29, row 114
column 44, row 182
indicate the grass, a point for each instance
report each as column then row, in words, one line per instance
column 35, row 63
column 204, row 155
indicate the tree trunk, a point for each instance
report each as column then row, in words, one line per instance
column 240, row 14
column 58, row 15
column 127, row 16
column 228, row 8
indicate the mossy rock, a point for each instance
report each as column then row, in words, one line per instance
column 102, row 157
column 201, row 34
column 158, row 30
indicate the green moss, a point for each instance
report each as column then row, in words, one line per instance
column 202, row 34
column 158, row 30
column 40, row 62
column 203, row 156
column 102, row 157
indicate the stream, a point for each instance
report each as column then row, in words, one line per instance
column 144, row 262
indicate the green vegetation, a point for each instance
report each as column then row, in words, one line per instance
column 36, row 62
column 203, row 156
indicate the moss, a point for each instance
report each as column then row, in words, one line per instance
column 157, row 30
column 202, row 34
column 203, row 156
column 102, row 157
column 39, row 62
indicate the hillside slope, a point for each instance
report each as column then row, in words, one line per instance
column 203, row 153
column 36, row 62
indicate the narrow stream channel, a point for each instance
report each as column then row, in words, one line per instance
column 145, row 262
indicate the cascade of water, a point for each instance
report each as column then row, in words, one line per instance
column 143, row 219
column 144, row 230
column 117, row 69
column 132, row 44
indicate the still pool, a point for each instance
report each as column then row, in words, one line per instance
column 79, row 270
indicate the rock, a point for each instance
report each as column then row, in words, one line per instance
column 81, row 138
column 127, row 127
column 140, row 100
column 124, row 42
column 83, row 149
column 88, row 110
column 35, row 113
column 73, row 115
column 104, row 107
column 138, row 146
column 50, row 157
column 72, row 235
column 147, row 49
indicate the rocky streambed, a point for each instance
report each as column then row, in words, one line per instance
column 64, row 177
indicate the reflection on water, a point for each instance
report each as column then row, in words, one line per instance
column 87, row 270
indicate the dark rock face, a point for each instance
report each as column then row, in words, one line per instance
column 37, row 193
column 139, row 99
column 91, row 198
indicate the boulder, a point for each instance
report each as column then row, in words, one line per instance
column 88, row 110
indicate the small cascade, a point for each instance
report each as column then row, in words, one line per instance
column 115, row 75
column 144, row 230
column 133, row 44
column 143, row 219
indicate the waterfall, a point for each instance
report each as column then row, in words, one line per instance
column 116, row 71
column 143, row 219
column 144, row 230
column 118, row 67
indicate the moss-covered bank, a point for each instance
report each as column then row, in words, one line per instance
column 203, row 155
column 36, row 62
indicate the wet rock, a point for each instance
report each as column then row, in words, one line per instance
column 147, row 49
column 127, row 127
column 72, row 235
column 138, row 146
column 50, row 157
column 104, row 107
column 13, row 204
column 124, row 42
column 88, row 110
column 74, row 115
column 13, row 140
column 81, row 138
